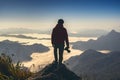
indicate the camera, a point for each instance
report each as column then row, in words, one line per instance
column 67, row 49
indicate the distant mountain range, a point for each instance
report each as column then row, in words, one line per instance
column 18, row 36
column 19, row 51
column 23, row 36
column 88, row 33
column 94, row 65
column 81, row 33
column 22, row 31
column 111, row 41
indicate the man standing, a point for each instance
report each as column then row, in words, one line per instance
column 58, row 39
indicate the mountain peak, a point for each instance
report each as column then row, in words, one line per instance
column 113, row 32
column 91, row 53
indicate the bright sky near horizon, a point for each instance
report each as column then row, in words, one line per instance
column 43, row 14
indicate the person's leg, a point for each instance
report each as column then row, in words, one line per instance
column 55, row 54
column 61, row 50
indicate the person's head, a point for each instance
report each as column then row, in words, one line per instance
column 60, row 21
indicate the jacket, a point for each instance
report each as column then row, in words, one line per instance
column 59, row 35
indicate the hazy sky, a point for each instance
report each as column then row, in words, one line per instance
column 43, row 14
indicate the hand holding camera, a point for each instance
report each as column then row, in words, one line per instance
column 67, row 49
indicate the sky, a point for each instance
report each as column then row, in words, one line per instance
column 77, row 14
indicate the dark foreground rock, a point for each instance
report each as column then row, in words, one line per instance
column 53, row 72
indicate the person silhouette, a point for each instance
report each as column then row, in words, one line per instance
column 58, row 39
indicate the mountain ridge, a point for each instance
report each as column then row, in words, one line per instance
column 111, row 41
column 20, row 51
column 101, row 67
